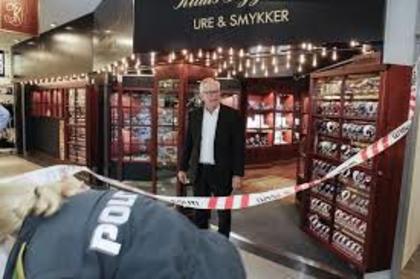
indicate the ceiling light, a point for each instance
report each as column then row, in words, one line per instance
column 334, row 54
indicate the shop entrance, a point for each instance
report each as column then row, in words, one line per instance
column 270, row 86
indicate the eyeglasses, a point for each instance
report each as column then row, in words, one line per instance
column 213, row 92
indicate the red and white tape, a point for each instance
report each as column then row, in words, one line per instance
column 57, row 173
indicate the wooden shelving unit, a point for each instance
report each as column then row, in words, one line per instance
column 69, row 109
column 351, row 106
column 131, row 125
column 272, row 123
column 176, row 93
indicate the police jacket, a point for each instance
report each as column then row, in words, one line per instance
column 108, row 234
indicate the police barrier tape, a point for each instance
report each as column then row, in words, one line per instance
column 59, row 172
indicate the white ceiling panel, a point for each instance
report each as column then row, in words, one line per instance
column 59, row 12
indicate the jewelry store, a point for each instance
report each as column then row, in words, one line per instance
column 308, row 79
column 314, row 93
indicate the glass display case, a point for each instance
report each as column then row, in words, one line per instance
column 272, row 123
column 167, row 124
column 76, row 129
column 48, row 103
column 65, row 114
column 352, row 106
column 131, row 128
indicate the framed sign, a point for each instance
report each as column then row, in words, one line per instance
column 2, row 64
column 19, row 16
column 178, row 24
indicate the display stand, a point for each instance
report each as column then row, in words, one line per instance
column 352, row 105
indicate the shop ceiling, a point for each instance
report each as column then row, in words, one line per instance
column 310, row 33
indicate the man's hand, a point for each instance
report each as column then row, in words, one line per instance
column 182, row 177
column 236, row 182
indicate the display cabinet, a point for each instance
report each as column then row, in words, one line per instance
column 176, row 88
column 303, row 132
column 272, row 124
column 131, row 126
column 168, row 109
column 68, row 112
column 351, row 106
column 303, row 125
column 148, row 121
column 76, row 126
column 260, row 120
column 48, row 103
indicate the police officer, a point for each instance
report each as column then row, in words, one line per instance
column 109, row 234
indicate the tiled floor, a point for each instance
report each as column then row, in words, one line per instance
column 256, row 267
column 287, row 170
column 412, row 269
column 13, row 165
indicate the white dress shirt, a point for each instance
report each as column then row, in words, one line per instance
column 4, row 117
column 208, row 134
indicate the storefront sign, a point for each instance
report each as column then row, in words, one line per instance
column 234, row 19
column 176, row 24
column 19, row 16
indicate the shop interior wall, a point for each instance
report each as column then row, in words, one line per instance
column 59, row 12
column 55, row 53
column 402, row 46
column 400, row 31
column 113, row 39
column 412, row 234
